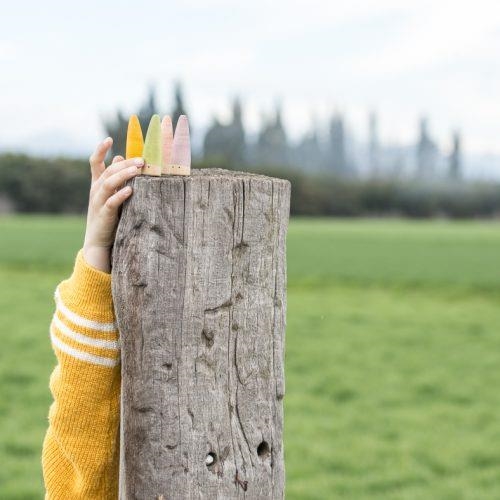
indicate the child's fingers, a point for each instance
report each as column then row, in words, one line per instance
column 122, row 164
column 117, row 158
column 113, row 202
column 96, row 159
column 114, row 182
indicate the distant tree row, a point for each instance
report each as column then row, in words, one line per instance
column 61, row 185
column 31, row 184
column 331, row 153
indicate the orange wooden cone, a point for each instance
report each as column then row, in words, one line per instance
column 135, row 141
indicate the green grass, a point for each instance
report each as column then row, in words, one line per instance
column 392, row 356
column 394, row 253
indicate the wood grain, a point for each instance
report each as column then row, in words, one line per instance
column 199, row 288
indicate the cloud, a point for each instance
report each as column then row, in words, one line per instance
column 9, row 51
column 399, row 57
column 442, row 34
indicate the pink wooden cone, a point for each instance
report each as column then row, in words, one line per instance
column 167, row 133
column 181, row 149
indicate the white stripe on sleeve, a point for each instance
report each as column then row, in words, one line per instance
column 80, row 320
column 84, row 339
column 82, row 355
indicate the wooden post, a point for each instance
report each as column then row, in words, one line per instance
column 199, row 287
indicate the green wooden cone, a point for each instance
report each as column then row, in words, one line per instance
column 152, row 145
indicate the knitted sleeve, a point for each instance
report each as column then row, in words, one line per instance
column 81, row 446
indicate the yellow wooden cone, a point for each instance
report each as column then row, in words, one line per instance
column 135, row 141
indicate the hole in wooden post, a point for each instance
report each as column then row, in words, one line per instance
column 211, row 459
column 263, row 450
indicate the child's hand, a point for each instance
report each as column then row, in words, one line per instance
column 106, row 197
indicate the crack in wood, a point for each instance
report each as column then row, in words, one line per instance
column 211, row 310
column 240, row 482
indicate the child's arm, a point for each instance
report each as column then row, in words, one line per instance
column 81, row 447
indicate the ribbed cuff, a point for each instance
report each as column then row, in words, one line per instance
column 89, row 290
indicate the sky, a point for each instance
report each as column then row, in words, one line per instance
column 64, row 66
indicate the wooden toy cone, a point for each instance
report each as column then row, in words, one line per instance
column 181, row 149
column 153, row 148
column 135, row 142
column 167, row 133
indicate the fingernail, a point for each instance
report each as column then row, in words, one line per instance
column 127, row 190
column 139, row 162
column 107, row 140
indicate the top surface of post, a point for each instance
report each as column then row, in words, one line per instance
column 220, row 173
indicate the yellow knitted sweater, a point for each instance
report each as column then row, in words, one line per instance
column 81, row 446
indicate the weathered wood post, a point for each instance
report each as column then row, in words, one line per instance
column 199, row 287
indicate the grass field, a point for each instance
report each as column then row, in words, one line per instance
column 392, row 356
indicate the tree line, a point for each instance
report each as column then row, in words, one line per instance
column 61, row 185
column 332, row 150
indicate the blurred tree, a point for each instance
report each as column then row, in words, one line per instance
column 308, row 154
column 455, row 168
column 337, row 153
column 272, row 144
column 427, row 153
column 148, row 109
column 226, row 143
column 117, row 128
column 237, row 134
column 179, row 108
column 373, row 146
